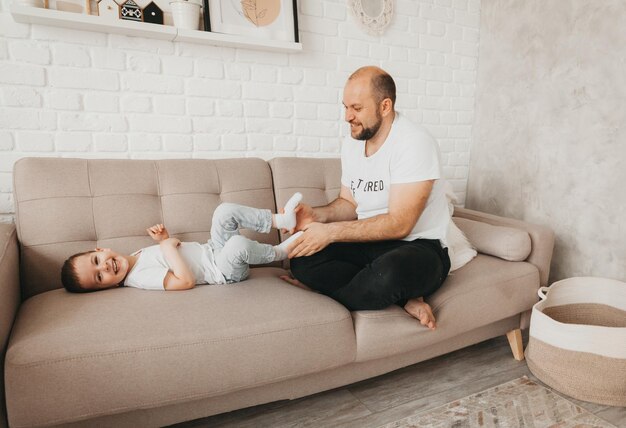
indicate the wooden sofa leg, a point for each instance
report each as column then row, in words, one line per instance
column 515, row 342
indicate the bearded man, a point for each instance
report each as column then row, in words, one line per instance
column 383, row 240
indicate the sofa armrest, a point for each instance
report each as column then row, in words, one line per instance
column 9, row 298
column 541, row 237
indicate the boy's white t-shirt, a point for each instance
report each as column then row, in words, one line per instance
column 409, row 154
column 151, row 267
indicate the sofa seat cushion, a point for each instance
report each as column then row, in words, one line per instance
column 485, row 290
column 75, row 356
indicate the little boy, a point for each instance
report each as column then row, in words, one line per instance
column 175, row 265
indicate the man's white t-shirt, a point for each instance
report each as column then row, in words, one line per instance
column 409, row 154
column 151, row 267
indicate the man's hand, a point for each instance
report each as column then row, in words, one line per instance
column 304, row 216
column 158, row 232
column 315, row 238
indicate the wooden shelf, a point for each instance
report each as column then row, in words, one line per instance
column 232, row 41
column 79, row 21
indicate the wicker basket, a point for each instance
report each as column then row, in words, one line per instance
column 577, row 339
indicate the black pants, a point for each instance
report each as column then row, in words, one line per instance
column 375, row 275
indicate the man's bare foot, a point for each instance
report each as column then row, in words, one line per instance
column 421, row 310
column 295, row 282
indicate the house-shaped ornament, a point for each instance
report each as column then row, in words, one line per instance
column 109, row 9
column 131, row 11
column 153, row 14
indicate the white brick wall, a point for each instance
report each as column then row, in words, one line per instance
column 81, row 94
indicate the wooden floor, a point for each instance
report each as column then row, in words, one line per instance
column 399, row 394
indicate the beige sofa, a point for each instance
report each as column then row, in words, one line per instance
column 128, row 357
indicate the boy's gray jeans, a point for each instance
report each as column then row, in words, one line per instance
column 235, row 253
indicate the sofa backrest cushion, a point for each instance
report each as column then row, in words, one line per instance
column 318, row 179
column 65, row 206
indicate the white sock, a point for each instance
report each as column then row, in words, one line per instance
column 288, row 219
column 282, row 250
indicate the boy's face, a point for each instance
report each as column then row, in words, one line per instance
column 101, row 269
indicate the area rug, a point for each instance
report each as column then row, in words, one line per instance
column 519, row 403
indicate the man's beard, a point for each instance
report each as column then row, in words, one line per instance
column 368, row 133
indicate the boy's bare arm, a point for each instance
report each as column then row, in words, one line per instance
column 180, row 277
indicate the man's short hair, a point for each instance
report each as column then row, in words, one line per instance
column 69, row 276
column 383, row 85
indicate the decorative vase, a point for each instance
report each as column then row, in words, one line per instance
column 186, row 15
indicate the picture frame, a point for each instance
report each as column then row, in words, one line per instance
column 266, row 19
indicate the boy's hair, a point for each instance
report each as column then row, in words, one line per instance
column 69, row 276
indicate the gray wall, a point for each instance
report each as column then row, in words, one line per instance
column 549, row 140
